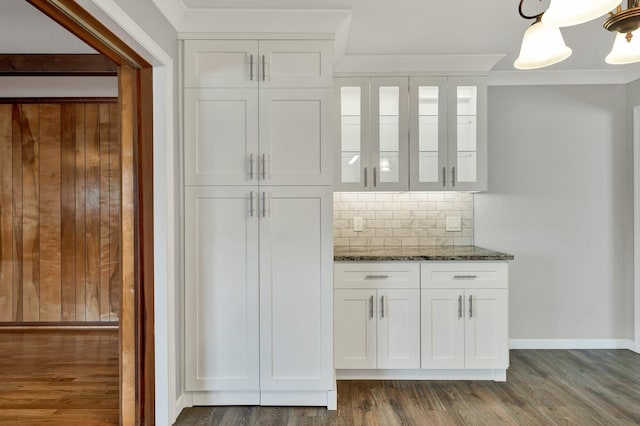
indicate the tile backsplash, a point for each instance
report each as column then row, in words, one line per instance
column 402, row 219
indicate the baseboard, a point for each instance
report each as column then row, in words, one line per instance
column 572, row 344
column 181, row 404
column 496, row 375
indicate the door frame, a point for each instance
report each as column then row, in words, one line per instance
column 137, row 87
column 636, row 224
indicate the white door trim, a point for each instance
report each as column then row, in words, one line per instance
column 110, row 14
column 636, row 225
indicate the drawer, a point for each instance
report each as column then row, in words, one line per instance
column 376, row 275
column 464, row 274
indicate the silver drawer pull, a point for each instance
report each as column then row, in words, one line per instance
column 382, row 306
column 460, row 306
column 470, row 306
column 465, row 277
column 371, row 308
column 376, row 277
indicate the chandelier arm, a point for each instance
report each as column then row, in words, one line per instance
column 529, row 16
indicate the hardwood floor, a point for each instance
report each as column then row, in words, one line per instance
column 59, row 377
column 577, row 387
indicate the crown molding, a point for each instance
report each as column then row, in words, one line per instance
column 423, row 64
column 564, row 77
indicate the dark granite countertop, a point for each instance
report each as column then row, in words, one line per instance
column 385, row 253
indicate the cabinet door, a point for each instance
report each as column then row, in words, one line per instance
column 221, row 290
column 296, row 294
column 486, row 329
column 296, row 63
column 398, row 329
column 221, row 136
column 352, row 164
column 428, row 132
column 443, row 328
column 467, row 134
column 355, row 329
column 389, row 134
column 221, row 63
column 295, row 143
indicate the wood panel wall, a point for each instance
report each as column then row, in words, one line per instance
column 59, row 212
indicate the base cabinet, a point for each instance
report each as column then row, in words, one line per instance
column 377, row 328
column 450, row 322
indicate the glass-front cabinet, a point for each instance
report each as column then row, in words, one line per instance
column 448, row 134
column 374, row 147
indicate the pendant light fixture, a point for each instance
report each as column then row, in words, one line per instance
column 565, row 13
column 543, row 45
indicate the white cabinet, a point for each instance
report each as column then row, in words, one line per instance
column 448, row 133
column 241, row 128
column 464, row 316
column 246, row 315
column 257, row 221
column 373, row 144
column 377, row 316
column 249, row 63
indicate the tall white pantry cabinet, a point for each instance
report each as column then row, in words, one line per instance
column 258, row 221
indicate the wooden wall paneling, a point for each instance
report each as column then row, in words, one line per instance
column 80, row 211
column 68, row 211
column 30, row 212
column 104, row 213
column 50, row 218
column 129, row 409
column 114, row 213
column 6, row 218
column 92, row 211
column 18, row 256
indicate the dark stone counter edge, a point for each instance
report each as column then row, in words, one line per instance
column 383, row 258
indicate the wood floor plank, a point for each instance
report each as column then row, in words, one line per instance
column 6, row 218
column 49, row 210
column 29, row 118
column 598, row 387
column 59, row 377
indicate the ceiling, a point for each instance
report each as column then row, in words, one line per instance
column 438, row 27
column 374, row 27
column 24, row 29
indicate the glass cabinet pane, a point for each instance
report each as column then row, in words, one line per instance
column 389, row 119
column 467, row 118
column 350, row 134
column 428, row 106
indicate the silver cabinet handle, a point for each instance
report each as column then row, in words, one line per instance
column 465, row 277
column 264, row 204
column 460, row 306
column 470, row 306
column 382, row 306
column 264, row 72
column 251, row 167
column 365, row 177
column 444, row 176
column 264, row 166
column 375, row 177
column 453, row 176
column 251, row 68
column 251, row 209
column 376, row 277
column 371, row 307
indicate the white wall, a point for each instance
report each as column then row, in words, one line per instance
column 560, row 200
column 633, row 101
column 58, row 87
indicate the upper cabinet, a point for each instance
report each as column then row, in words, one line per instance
column 253, row 63
column 257, row 112
column 448, row 134
column 418, row 134
column 374, row 145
